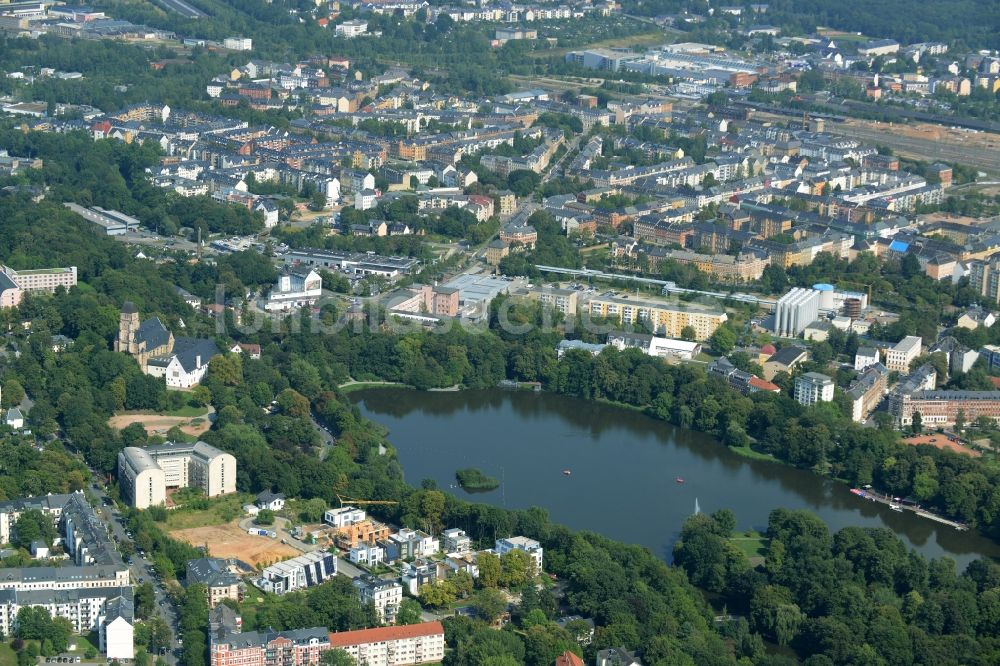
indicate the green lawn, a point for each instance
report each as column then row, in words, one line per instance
column 361, row 386
column 747, row 452
column 7, row 656
column 752, row 544
column 220, row 510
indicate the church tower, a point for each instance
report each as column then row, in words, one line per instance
column 128, row 326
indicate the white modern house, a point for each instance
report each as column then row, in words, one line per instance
column 344, row 516
column 530, row 546
column 813, row 387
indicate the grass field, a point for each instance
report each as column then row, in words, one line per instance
column 220, row 511
column 351, row 387
column 7, row 656
column 752, row 544
column 747, row 452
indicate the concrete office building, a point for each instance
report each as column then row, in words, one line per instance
column 813, row 387
column 898, row 358
column 796, row 310
column 145, row 473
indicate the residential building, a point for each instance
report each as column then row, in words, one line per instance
column 566, row 346
column 568, row 658
column 813, row 387
column 617, row 657
column 144, row 474
column 270, row 500
column 214, row 573
column 866, row 392
column 496, row 251
column 795, row 310
column 455, row 541
column 784, row 360
column 564, row 301
column 229, row 646
column 665, row 319
column 960, row 358
column 416, row 574
column 975, row 317
column 345, row 515
column 367, row 555
column 367, row 531
column 300, row 572
column 898, row 358
column 865, row 357
column 529, row 546
column 393, row 646
column 14, row 418
column 385, row 595
column 408, row 543
column 740, row 380
column 238, row 43
column 116, row 635
column 942, row 408
column 353, row 28
column 87, row 609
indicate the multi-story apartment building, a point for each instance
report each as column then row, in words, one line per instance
column 865, row 357
column 898, row 358
column 941, row 408
column 456, row 541
column 529, row 546
column 145, row 473
column 561, row 300
column 813, row 387
column 385, row 595
column 92, row 591
column 345, row 515
column 300, row 572
column 11, row 510
column 393, row 646
column 217, row 578
column 665, row 318
column 867, row 391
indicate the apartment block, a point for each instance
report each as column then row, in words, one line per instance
column 813, row 387
column 14, row 284
column 300, row 572
column 214, row 573
column 393, row 646
column 385, row 595
column 529, row 546
column 898, row 358
column 666, row 319
column 867, row 391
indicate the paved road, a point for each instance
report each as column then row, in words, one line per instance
column 141, row 569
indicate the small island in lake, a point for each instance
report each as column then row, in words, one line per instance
column 473, row 480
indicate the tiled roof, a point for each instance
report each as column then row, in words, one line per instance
column 380, row 634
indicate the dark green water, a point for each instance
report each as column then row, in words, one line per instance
column 624, row 468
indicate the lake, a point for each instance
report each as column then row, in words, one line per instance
column 624, row 466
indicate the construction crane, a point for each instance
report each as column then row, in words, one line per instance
column 348, row 500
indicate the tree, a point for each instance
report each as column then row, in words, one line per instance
column 489, row 604
column 918, row 423
column 265, row 517
column 688, row 333
column 723, row 340
column 489, row 569
column 523, row 182
column 33, row 525
column 336, row 657
column 409, row 612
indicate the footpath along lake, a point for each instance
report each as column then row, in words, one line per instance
column 624, row 468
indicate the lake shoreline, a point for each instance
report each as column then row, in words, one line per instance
column 475, row 409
